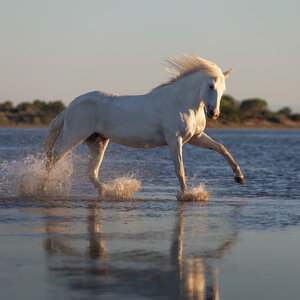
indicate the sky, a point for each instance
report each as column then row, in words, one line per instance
column 59, row 49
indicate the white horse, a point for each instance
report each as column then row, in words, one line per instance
column 172, row 114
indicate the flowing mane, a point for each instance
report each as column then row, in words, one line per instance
column 187, row 64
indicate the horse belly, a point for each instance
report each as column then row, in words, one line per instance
column 144, row 144
column 136, row 137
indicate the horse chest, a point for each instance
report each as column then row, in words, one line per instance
column 189, row 126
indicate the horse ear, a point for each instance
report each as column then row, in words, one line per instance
column 227, row 73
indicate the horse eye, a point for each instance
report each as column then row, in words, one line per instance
column 212, row 87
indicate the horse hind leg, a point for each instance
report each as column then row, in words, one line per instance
column 65, row 143
column 97, row 145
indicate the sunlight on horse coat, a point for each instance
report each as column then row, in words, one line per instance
column 172, row 114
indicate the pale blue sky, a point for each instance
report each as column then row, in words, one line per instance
column 60, row 49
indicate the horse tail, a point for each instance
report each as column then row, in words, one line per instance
column 55, row 129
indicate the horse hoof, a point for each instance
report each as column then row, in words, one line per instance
column 240, row 180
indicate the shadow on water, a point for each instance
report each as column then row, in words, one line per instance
column 122, row 250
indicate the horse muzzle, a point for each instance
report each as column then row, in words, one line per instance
column 213, row 114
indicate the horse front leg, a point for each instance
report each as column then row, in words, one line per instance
column 204, row 141
column 175, row 146
column 97, row 146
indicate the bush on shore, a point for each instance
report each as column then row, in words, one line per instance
column 36, row 113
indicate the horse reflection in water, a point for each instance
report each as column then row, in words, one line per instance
column 183, row 270
column 197, row 274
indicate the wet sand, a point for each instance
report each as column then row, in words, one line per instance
column 84, row 248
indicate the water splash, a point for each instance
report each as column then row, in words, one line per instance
column 29, row 178
column 121, row 188
column 197, row 193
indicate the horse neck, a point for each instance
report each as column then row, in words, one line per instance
column 185, row 91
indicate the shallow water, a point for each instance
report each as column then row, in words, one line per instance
column 241, row 244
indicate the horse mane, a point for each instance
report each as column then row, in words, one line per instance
column 187, row 64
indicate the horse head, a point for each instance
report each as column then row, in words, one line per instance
column 211, row 92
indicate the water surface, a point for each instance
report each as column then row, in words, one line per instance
column 242, row 244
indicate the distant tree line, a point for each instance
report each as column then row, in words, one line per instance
column 249, row 112
column 254, row 111
column 36, row 113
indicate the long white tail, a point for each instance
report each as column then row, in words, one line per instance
column 54, row 131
